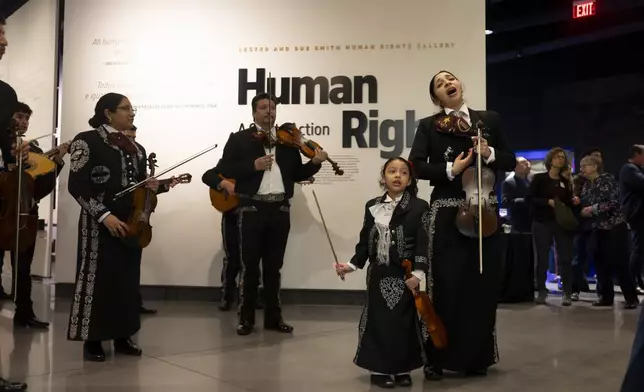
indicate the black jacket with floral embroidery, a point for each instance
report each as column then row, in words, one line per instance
column 602, row 195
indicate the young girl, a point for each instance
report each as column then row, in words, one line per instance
column 396, row 224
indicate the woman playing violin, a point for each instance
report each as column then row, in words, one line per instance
column 464, row 297
column 103, row 162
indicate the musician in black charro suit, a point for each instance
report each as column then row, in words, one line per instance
column 43, row 185
column 465, row 299
column 265, row 174
column 8, row 102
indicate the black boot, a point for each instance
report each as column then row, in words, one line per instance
column 28, row 320
column 127, row 347
column 382, row 381
column 433, row 373
column 6, row 386
column 403, row 380
column 93, row 351
column 144, row 310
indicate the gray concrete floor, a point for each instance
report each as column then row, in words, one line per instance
column 193, row 347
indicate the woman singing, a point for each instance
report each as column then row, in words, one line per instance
column 104, row 162
column 465, row 299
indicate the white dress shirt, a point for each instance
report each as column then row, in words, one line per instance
column 382, row 213
column 272, row 182
column 464, row 113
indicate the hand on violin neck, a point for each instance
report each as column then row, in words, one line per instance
column 461, row 163
column 485, row 149
column 320, row 156
column 264, row 163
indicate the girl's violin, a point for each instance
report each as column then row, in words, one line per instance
column 289, row 135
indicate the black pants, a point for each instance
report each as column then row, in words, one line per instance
column 24, row 305
column 634, row 378
column 543, row 234
column 611, row 258
column 232, row 264
column 637, row 255
column 263, row 234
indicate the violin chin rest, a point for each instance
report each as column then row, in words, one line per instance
column 287, row 126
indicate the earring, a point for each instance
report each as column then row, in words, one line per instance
column 109, row 119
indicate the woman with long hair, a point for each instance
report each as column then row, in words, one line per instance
column 546, row 191
column 465, row 299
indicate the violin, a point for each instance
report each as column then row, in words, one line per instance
column 425, row 309
column 17, row 225
column 145, row 203
column 289, row 135
column 477, row 217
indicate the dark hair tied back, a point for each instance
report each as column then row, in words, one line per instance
column 412, row 188
column 432, row 87
column 109, row 101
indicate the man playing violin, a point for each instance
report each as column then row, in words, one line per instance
column 265, row 172
column 131, row 133
column 43, row 185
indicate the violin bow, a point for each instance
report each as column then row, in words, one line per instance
column 480, row 197
column 133, row 187
column 326, row 230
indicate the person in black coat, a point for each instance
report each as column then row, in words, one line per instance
column 8, row 101
column 395, row 230
column 465, row 299
column 631, row 192
column 43, row 186
column 265, row 174
column 514, row 191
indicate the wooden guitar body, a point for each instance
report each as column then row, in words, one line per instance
column 221, row 200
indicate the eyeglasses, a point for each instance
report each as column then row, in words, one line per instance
column 127, row 108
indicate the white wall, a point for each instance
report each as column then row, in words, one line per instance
column 29, row 66
column 170, row 56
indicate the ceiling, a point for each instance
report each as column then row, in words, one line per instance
column 8, row 7
column 523, row 28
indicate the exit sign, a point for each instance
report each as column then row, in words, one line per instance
column 583, row 8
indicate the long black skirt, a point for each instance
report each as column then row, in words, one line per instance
column 106, row 303
column 390, row 333
column 465, row 300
